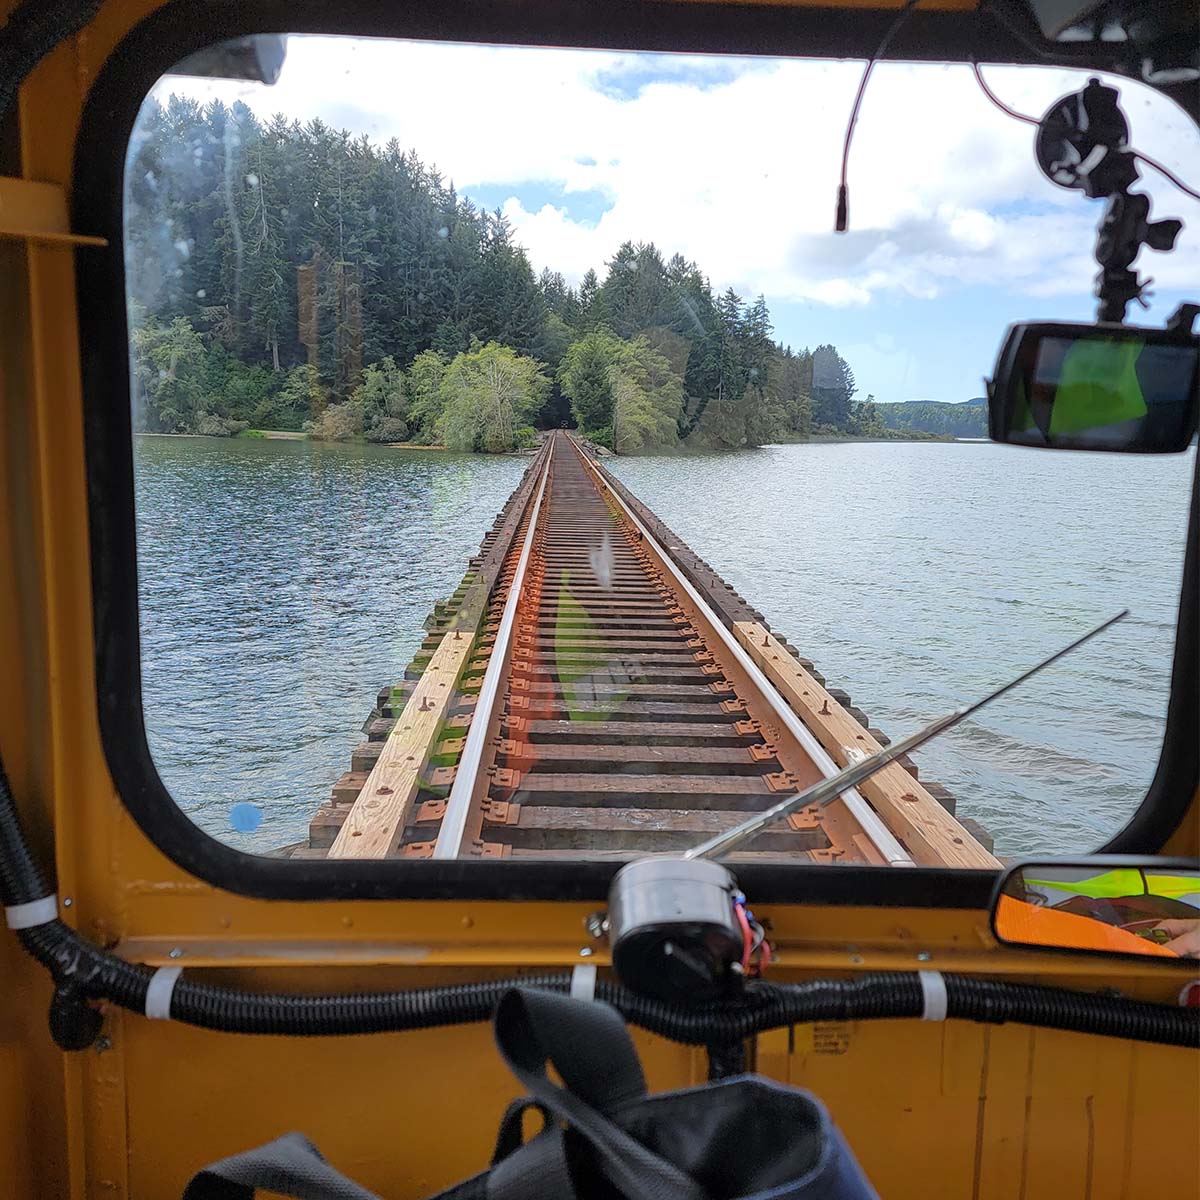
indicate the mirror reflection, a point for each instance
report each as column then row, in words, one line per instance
column 1122, row 910
column 1084, row 387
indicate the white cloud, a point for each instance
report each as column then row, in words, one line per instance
column 734, row 163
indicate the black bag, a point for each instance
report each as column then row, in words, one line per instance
column 742, row 1138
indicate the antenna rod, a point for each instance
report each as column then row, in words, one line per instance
column 828, row 790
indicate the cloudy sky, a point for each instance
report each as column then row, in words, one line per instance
column 734, row 163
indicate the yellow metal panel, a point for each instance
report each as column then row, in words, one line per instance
column 38, row 212
column 405, row 1114
column 933, row 1110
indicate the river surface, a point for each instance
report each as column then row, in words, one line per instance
column 283, row 583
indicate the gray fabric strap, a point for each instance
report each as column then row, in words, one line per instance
column 537, row 1171
column 290, row 1165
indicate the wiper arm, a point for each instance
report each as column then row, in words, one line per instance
column 828, row 790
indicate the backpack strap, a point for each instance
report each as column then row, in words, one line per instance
column 290, row 1165
column 589, row 1046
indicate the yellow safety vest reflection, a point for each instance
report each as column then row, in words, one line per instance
column 1097, row 386
column 1126, row 881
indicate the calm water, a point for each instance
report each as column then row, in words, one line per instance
column 283, row 583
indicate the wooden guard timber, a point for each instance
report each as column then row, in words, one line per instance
column 636, row 705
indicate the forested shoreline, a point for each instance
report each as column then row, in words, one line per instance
column 291, row 276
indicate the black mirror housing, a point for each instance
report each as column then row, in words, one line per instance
column 1108, row 905
column 1115, row 388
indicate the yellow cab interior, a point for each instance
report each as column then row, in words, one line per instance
column 951, row 1108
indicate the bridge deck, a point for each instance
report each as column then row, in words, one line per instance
column 594, row 690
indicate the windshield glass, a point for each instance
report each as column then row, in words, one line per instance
column 526, row 470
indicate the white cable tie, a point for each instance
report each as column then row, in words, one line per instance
column 583, row 982
column 32, row 914
column 933, row 989
column 159, row 992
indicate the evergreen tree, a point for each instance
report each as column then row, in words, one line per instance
column 589, row 288
column 585, row 379
column 833, row 388
column 634, row 295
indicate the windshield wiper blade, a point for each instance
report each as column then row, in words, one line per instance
column 828, row 790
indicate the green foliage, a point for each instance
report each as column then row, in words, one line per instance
column 489, row 394
column 789, row 381
column 382, row 398
column 169, row 375
column 865, row 418
column 647, row 399
column 624, row 394
column 423, row 387
column 300, row 398
column 585, row 378
column 337, row 423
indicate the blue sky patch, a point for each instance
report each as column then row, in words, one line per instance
column 903, row 348
column 627, row 79
column 586, row 207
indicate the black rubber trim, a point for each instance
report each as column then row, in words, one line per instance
column 1098, row 862
column 180, row 28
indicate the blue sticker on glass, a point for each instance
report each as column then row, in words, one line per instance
column 245, row 818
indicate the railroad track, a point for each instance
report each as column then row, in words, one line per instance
column 587, row 700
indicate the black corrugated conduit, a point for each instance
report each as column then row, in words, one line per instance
column 88, row 973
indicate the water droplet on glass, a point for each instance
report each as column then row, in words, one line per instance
column 184, row 249
column 200, row 293
column 443, row 232
column 252, row 180
column 245, row 818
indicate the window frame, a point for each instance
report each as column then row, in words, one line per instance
column 182, row 27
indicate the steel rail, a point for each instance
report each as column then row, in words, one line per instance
column 822, row 794
column 871, row 823
column 453, row 830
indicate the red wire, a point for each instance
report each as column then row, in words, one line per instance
column 764, row 956
column 987, row 91
column 747, row 936
column 1183, row 187
column 893, row 29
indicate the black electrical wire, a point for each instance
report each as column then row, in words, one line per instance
column 841, row 222
column 1020, row 116
column 84, row 972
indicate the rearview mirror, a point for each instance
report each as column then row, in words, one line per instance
column 1103, row 905
column 1095, row 387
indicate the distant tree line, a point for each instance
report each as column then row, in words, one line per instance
column 968, row 420
column 291, row 276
